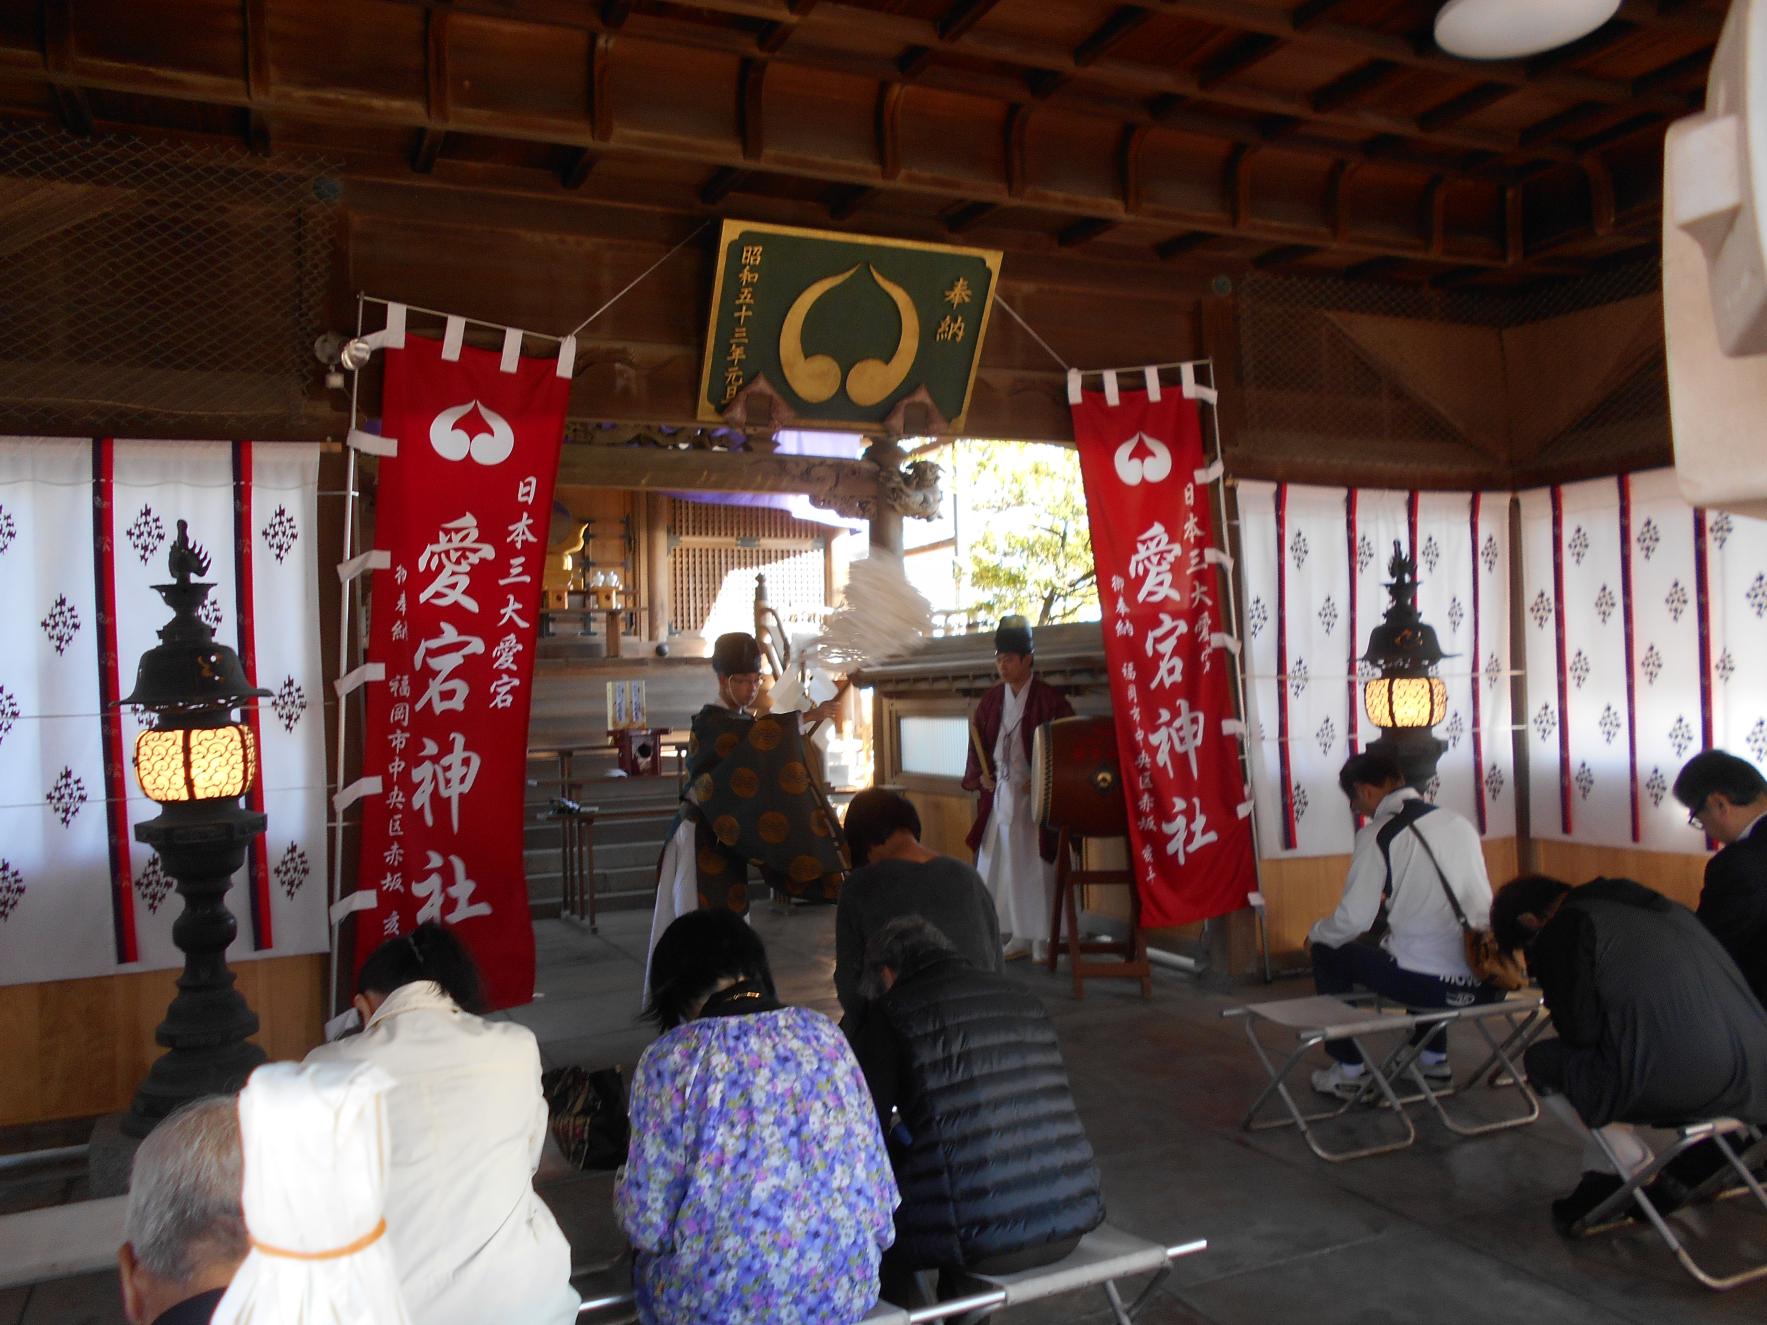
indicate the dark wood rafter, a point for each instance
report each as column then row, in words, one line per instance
column 1286, row 256
column 1236, row 183
column 1176, row 247
column 71, row 107
column 751, row 109
column 1129, row 167
column 433, row 134
column 1457, row 108
column 254, row 19
column 774, row 36
column 614, row 13
column 1083, row 232
column 1118, row 26
column 845, row 199
column 723, row 182
column 1434, row 216
column 1337, row 201
column 1372, row 270
column 889, row 129
column 1601, row 194
column 601, row 117
column 1018, row 128
column 1514, row 238
column 576, row 169
column 965, row 217
column 1240, row 56
column 1347, row 88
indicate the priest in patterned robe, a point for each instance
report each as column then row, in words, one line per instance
column 1015, row 860
column 750, row 799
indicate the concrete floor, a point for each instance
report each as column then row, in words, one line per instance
column 1450, row 1230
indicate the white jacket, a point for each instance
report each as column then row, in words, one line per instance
column 471, row 1240
column 1424, row 935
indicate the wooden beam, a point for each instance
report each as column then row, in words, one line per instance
column 1083, row 231
column 1696, row 63
column 1242, row 54
column 1177, row 246
column 1601, row 194
column 255, row 38
column 774, row 36
column 1373, row 269
column 614, row 13
column 1304, row 15
column 1515, row 244
column 1434, row 216
column 601, row 115
column 845, row 199
column 1285, row 256
column 1118, row 26
column 71, row 106
column 1018, row 124
column 427, row 150
column 1626, row 128
column 1564, row 122
column 1237, row 183
column 1457, row 108
column 889, row 129
column 723, row 182
column 961, row 17
column 662, row 468
column 1129, row 166
column 1354, row 85
column 913, row 62
column 1337, row 202
column 966, row 216
column 751, row 108
column 1045, row 83
column 577, row 168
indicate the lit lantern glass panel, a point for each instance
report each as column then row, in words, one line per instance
column 196, row 763
column 1405, row 701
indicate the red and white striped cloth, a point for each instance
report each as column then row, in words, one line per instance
column 84, row 530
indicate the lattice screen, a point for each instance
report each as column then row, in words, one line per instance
column 712, row 577
column 145, row 278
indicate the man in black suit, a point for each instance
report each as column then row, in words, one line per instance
column 1727, row 797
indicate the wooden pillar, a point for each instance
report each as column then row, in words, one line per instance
column 886, row 523
column 656, row 564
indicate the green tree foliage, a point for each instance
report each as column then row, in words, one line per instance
column 1031, row 551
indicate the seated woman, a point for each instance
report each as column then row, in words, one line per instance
column 466, row 1121
column 757, row 1187
column 894, row 875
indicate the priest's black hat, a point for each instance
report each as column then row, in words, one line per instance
column 735, row 653
column 1013, row 635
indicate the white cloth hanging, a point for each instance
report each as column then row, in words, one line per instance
column 316, row 1156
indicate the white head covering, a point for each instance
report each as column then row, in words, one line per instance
column 316, row 1156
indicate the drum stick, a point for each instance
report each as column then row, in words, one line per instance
column 975, row 740
column 839, row 690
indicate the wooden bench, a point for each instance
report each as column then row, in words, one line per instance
column 1356, row 1018
column 1104, row 1255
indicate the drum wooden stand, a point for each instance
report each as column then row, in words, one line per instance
column 1131, row 954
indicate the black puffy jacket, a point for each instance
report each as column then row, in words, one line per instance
column 995, row 1160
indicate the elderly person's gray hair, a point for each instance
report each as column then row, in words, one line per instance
column 184, row 1192
column 903, row 944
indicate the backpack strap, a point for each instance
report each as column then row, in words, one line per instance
column 1453, row 901
column 1409, row 813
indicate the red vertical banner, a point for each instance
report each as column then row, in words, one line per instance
column 462, row 515
column 1152, row 529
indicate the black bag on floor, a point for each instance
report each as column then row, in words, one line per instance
column 588, row 1115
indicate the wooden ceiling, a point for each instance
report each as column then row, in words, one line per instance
column 525, row 161
column 1324, row 135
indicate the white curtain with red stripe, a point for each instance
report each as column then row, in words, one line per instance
column 1643, row 616
column 85, row 527
column 1314, row 567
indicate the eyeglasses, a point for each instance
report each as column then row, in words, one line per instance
column 1694, row 818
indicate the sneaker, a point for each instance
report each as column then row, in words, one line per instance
column 1437, row 1074
column 1337, row 1081
column 1594, row 1189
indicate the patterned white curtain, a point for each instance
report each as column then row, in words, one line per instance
column 1641, row 615
column 1313, row 565
column 84, row 531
